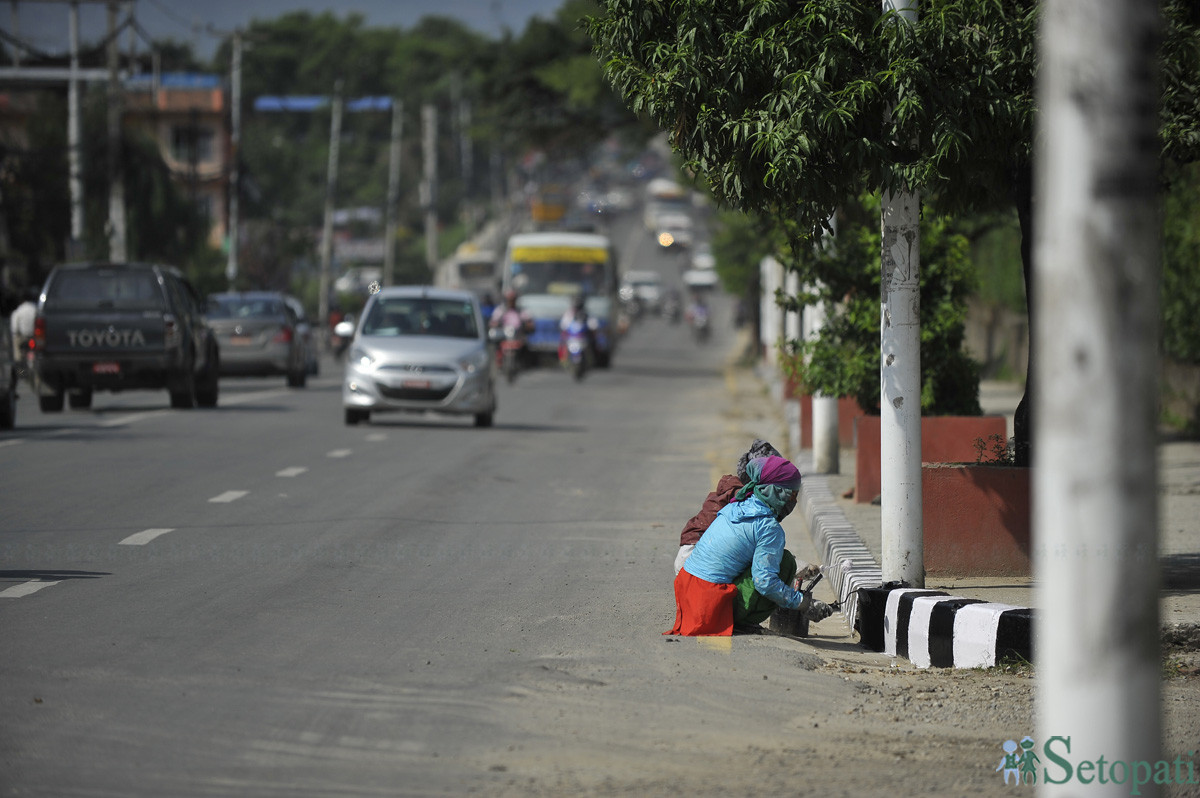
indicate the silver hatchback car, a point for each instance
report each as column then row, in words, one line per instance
column 419, row 348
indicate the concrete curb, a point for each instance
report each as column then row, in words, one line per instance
column 929, row 628
column 849, row 565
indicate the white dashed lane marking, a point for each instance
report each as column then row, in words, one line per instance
column 376, row 437
column 24, row 589
column 294, row 471
column 144, row 537
column 339, row 453
column 228, row 496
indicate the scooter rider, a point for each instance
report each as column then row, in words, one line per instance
column 578, row 312
column 509, row 315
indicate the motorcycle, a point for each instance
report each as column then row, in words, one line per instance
column 510, row 345
column 575, row 350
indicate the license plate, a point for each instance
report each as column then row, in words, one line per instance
column 415, row 384
column 106, row 368
column 241, row 340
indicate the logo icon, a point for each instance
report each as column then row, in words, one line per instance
column 1019, row 761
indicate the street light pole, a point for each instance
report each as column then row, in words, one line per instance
column 235, row 138
column 117, row 250
column 335, row 137
column 393, row 194
column 429, row 185
column 74, row 136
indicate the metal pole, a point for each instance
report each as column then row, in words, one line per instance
column 826, row 444
column 393, row 194
column 74, row 135
column 429, row 187
column 235, row 138
column 116, row 182
column 1095, row 470
column 335, row 135
column 826, row 452
column 900, row 378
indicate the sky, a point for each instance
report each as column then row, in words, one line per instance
column 43, row 23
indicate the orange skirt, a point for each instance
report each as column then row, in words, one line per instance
column 702, row 608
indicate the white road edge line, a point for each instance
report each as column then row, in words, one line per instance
column 24, row 589
column 143, row 537
column 293, row 471
column 228, row 496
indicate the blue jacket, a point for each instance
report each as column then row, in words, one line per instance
column 744, row 534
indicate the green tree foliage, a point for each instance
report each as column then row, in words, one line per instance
column 845, row 276
column 792, row 109
column 1181, row 267
column 33, row 198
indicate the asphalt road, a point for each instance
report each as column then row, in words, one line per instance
column 260, row 600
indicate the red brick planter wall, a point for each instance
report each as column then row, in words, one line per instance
column 944, row 439
column 976, row 519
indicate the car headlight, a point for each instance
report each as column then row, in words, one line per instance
column 361, row 357
column 474, row 361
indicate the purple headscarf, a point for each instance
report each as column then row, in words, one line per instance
column 774, row 480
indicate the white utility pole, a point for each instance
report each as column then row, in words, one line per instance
column 235, row 139
column 826, row 442
column 900, row 377
column 117, row 249
column 74, row 137
column 1095, row 471
column 393, row 194
column 429, row 185
column 335, row 139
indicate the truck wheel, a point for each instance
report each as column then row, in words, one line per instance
column 183, row 390
column 207, row 387
column 51, row 403
column 80, row 399
column 8, row 405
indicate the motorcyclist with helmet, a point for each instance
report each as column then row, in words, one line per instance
column 509, row 317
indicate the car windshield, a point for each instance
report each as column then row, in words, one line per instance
column 230, row 307
column 112, row 288
column 393, row 316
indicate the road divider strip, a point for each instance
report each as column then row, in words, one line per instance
column 25, row 589
column 144, row 537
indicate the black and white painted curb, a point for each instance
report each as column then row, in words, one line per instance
column 933, row 629
column 927, row 627
column 848, row 564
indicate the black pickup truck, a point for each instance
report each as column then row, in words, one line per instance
column 119, row 326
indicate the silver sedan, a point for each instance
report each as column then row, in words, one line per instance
column 419, row 348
